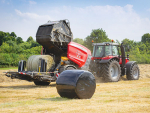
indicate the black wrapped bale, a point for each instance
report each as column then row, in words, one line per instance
column 76, row 84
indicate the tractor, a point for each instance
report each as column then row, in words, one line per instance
column 110, row 63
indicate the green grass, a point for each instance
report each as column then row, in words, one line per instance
column 8, row 68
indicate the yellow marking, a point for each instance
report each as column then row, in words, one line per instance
column 62, row 63
column 64, row 58
column 39, row 69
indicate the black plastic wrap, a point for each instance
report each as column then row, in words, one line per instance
column 76, row 84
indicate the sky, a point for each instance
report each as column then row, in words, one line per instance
column 120, row 19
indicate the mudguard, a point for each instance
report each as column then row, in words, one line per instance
column 107, row 60
column 104, row 61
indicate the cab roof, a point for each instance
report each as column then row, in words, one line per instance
column 105, row 43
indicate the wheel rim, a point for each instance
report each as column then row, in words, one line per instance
column 135, row 73
column 114, row 71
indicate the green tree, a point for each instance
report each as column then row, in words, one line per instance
column 5, row 59
column 5, row 48
column 13, row 34
column 34, row 44
column 19, row 40
column 98, row 36
column 25, row 45
column 126, row 42
column 6, row 37
column 30, row 39
column 79, row 41
column 11, row 43
column 145, row 37
column 12, row 38
column 142, row 47
column 2, row 35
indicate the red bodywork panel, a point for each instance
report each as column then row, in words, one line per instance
column 77, row 53
column 103, row 58
column 110, row 57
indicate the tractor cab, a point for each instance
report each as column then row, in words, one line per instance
column 105, row 49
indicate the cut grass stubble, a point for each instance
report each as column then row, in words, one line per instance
column 123, row 96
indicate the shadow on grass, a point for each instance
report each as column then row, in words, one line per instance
column 27, row 86
column 101, row 80
column 56, row 99
column 123, row 78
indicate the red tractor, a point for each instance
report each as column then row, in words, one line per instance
column 110, row 65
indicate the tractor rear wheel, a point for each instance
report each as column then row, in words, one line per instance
column 133, row 73
column 111, row 71
column 41, row 83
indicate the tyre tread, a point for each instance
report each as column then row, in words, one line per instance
column 129, row 74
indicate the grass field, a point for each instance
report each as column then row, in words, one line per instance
column 7, row 68
column 120, row 97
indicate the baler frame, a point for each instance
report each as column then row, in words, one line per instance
column 33, row 76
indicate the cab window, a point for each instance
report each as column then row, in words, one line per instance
column 115, row 50
column 99, row 51
column 108, row 50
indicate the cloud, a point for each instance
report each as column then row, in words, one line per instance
column 6, row 1
column 32, row 2
column 3, row 1
column 32, row 16
column 29, row 15
column 118, row 22
column 25, row 24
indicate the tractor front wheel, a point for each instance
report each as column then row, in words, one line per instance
column 133, row 73
column 111, row 71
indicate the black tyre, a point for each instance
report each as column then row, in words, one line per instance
column 133, row 72
column 100, row 70
column 41, row 83
column 111, row 71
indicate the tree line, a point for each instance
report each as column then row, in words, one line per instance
column 13, row 48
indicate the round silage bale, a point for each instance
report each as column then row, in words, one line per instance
column 33, row 62
column 76, row 84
